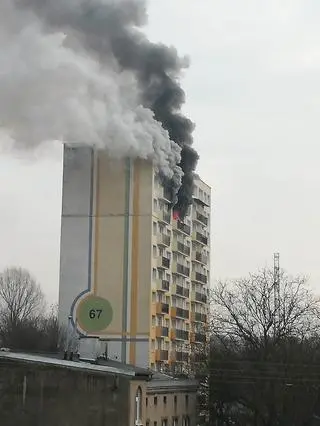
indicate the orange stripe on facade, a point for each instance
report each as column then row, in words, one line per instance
column 135, row 260
column 97, row 226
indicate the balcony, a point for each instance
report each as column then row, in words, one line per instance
column 162, row 331
column 198, row 297
column 162, row 308
column 173, row 334
column 199, row 257
column 182, row 356
column 201, row 218
column 163, row 262
column 202, row 239
column 196, row 316
column 164, row 240
column 182, row 313
column 181, row 248
column 182, row 334
column 201, row 202
column 161, row 355
column 177, row 268
column 181, row 291
column 164, row 217
column 163, row 285
column 167, row 195
column 200, row 338
column 183, row 227
column 201, row 278
column 201, row 297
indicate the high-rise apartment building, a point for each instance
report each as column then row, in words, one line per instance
column 131, row 274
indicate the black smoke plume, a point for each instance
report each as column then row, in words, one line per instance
column 112, row 27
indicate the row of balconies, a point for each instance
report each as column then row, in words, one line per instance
column 176, row 312
column 164, row 285
column 164, row 239
column 166, row 356
column 178, row 268
column 177, row 334
column 177, row 246
column 200, row 218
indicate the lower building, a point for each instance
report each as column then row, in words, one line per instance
column 50, row 391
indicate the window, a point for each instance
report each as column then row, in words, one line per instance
column 147, row 423
column 187, row 400
column 146, row 402
column 154, row 225
column 155, row 400
column 154, row 251
column 175, row 421
column 164, row 422
column 154, row 423
column 164, row 399
column 175, row 401
column 138, row 408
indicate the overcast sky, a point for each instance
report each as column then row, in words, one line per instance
column 253, row 90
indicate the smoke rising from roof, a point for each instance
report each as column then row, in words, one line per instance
column 90, row 69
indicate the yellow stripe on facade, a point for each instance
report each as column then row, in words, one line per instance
column 135, row 260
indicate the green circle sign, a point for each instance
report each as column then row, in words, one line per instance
column 94, row 314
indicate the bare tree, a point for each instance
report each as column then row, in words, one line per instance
column 245, row 310
column 21, row 297
column 261, row 343
column 21, row 305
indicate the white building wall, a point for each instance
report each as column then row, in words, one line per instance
column 75, row 269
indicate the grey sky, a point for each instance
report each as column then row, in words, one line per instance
column 253, row 90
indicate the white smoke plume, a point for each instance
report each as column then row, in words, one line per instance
column 51, row 89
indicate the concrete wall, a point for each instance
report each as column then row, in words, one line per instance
column 49, row 396
column 76, row 228
column 106, row 249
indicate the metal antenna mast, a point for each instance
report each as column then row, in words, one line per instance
column 276, row 290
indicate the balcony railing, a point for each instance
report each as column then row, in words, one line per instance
column 182, row 313
column 182, row 356
column 181, row 248
column 200, row 317
column 201, row 218
column 197, row 276
column 162, row 308
column 162, row 331
column 199, row 257
column 163, row 285
column 200, row 238
column 164, row 240
column 201, row 297
column 165, row 216
column 181, row 291
column 182, row 334
column 163, row 262
column 167, row 195
column 181, row 269
column 162, row 355
column 184, row 227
